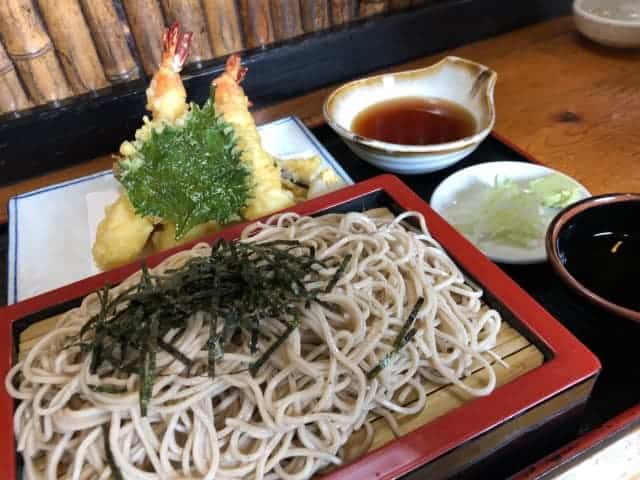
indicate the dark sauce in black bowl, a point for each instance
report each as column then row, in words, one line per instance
column 608, row 264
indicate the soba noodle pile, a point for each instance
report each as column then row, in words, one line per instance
column 292, row 419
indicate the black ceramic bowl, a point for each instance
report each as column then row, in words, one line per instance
column 594, row 245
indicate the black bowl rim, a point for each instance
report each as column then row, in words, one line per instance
column 553, row 232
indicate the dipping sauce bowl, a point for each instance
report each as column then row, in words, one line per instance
column 594, row 246
column 452, row 80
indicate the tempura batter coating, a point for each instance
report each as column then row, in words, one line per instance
column 121, row 236
column 166, row 96
column 268, row 195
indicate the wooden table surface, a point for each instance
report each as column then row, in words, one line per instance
column 570, row 103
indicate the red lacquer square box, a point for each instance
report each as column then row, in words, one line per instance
column 473, row 432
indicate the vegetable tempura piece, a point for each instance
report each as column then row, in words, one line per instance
column 121, row 236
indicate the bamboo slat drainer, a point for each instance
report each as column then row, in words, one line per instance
column 520, row 355
column 513, row 356
column 256, row 20
column 369, row 8
column 399, row 4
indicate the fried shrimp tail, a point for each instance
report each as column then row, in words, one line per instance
column 268, row 195
column 122, row 234
column 166, row 96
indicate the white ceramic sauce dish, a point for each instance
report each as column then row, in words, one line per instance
column 466, row 83
column 614, row 23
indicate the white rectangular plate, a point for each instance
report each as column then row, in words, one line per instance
column 50, row 230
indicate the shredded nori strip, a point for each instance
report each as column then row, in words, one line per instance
column 239, row 287
column 177, row 354
column 253, row 369
column 405, row 335
column 107, row 389
column 338, row 274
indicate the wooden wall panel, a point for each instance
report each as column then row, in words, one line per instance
column 147, row 25
column 12, row 95
column 68, row 47
column 225, row 28
column 111, row 42
column 29, row 46
column 74, row 44
column 343, row 11
column 287, row 19
column 256, row 19
column 315, row 15
column 192, row 18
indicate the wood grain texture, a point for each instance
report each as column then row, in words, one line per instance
column 192, row 18
column 315, row 15
column 74, row 44
column 12, row 95
column 147, row 25
column 31, row 50
column 368, row 8
column 343, row 11
column 569, row 103
column 225, row 31
column 286, row 18
column 256, row 21
column 108, row 33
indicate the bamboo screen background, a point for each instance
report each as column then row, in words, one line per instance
column 55, row 49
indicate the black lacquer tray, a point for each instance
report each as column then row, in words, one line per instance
column 611, row 338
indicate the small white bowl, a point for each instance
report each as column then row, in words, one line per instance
column 459, row 190
column 615, row 23
column 455, row 79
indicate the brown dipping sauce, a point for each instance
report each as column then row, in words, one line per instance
column 414, row 121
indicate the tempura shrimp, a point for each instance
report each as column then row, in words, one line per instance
column 122, row 235
column 230, row 101
column 166, row 96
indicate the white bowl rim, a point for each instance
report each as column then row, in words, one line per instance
column 578, row 9
column 437, row 147
column 526, row 256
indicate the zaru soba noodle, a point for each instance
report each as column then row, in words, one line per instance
column 381, row 311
